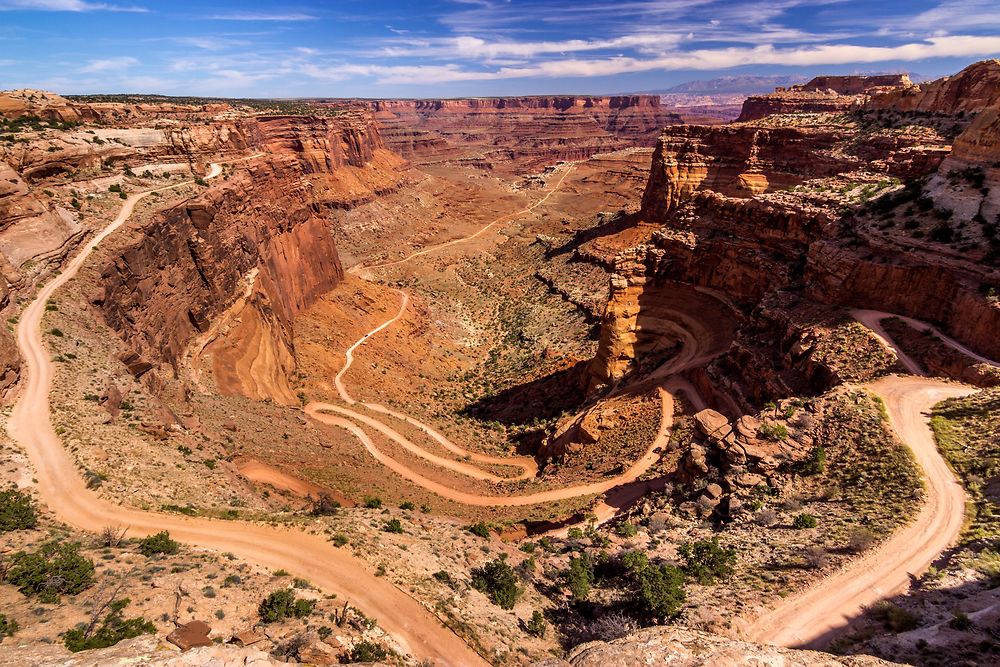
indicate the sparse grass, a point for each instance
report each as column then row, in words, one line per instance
column 967, row 430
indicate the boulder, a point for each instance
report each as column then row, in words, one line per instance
column 712, row 424
column 191, row 635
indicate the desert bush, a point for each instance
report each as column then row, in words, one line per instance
column 815, row 464
column 8, row 627
column 537, row 625
column 160, row 543
column 658, row 522
column 373, row 503
column 893, row 616
column 17, row 511
column 635, row 561
column 366, row 651
column 660, row 591
column 816, row 556
column 111, row 536
column 766, row 517
column 960, row 621
column 480, row 529
column 707, row 561
column 407, row 505
column 282, row 604
column 860, row 539
column 627, row 529
column 773, row 432
column 324, row 506
column 497, row 580
column 113, row 629
column 57, row 568
column 804, row 520
column 393, row 526
column 579, row 577
column 608, row 627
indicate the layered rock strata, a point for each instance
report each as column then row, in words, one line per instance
column 262, row 239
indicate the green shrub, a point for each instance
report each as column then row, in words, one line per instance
column 706, row 561
column 57, row 568
column 282, row 604
column 660, row 591
column 17, row 511
column 804, row 520
column 407, row 505
column 481, row 529
column 627, row 529
column 393, row 526
column 579, row 577
column 773, row 432
column 158, row 544
column 894, row 617
column 497, row 580
column 8, row 627
column 373, row 503
column 635, row 561
column 113, row 629
column 56, row 332
column 537, row 625
column 366, row 651
column 340, row 539
column 816, row 463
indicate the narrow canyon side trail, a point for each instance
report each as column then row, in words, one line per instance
column 62, row 489
column 809, row 618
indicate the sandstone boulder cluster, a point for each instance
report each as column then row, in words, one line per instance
column 739, row 456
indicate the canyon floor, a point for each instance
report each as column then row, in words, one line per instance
column 504, row 399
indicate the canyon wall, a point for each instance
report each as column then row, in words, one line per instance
column 259, row 240
column 528, row 132
column 975, row 88
column 773, row 207
column 736, row 160
column 823, row 94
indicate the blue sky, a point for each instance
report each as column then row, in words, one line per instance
column 431, row 48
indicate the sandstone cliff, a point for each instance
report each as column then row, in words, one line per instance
column 779, row 205
column 528, row 131
column 261, row 239
column 822, row 94
column 975, row 88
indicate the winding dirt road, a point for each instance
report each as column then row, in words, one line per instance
column 64, row 492
column 811, row 617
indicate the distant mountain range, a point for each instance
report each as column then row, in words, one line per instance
column 731, row 85
column 747, row 84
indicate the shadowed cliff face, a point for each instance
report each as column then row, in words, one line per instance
column 257, row 247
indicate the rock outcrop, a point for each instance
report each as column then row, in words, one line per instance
column 975, row 88
column 822, row 94
column 680, row 647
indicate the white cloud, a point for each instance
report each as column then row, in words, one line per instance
column 476, row 48
column 698, row 59
column 66, row 6
column 110, row 64
column 255, row 16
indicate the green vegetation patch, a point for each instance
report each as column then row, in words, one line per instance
column 967, row 430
